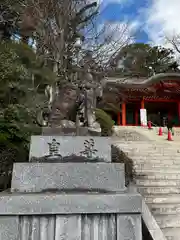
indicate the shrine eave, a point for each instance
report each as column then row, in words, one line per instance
column 140, row 83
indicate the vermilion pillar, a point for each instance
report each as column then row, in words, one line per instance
column 179, row 112
column 119, row 118
column 123, row 114
column 142, row 104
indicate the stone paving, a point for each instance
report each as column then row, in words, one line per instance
column 157, row 165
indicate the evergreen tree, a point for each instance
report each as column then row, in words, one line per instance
column 144, row 60
column 20, row 99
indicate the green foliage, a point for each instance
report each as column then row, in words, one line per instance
column 9, row 18
column 105, row 122
column 119, row 156
column 144, row 60
column 21, row 76
column 14, row 147
column 111, row 107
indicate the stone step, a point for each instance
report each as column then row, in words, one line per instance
column 130, row 145
column 141, row 171
column 154, row 143
column 156, row 161
column 142, row 148
column 172, row 233
column 147, row 166
column 146, row 144
column 163, row 199
column 161, row 209
column 158, row 190
column 156, row 183
column 166, row 221
column 153, row 155
column 159, row 176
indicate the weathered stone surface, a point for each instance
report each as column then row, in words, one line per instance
column 161, row 209
column 148, row 166
column 129, row 227
column 158, row 165
column 151, row 223
column 163, row 199
column 172, row 233
column 158, row 182
column 158, row 190
column 74, row 227
column 166, row 221
column 9, row 228
column 70, row 131
column 129, row 135
column 44, row 203
column 35, row 177
column 59, row 131
column 71, row 145
column 70, row 201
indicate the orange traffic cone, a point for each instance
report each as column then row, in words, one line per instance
column 169, row 138
column 149, row 124
column 160, row 131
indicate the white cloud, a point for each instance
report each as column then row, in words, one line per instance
column 162, row 19
column 106, row 2
column 111, row 38
column 106, row 38
column 115, row 36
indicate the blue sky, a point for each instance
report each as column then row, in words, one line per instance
column 128, row 12
column 154, row 20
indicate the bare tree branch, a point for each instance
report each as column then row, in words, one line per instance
column 175, row 42
column 54, row 27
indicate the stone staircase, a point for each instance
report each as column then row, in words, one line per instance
column 157, row 165
column 145, row 134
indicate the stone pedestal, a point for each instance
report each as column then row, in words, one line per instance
column 100, row 147
column 70, row 216
column 70, row 200
column 96, row 177
column 60, row 131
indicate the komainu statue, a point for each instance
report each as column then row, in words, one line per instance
column 70, row 106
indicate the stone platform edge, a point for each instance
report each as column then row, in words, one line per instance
column 50, row 203
column 35, row 177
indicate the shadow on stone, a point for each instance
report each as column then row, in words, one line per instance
column 119, row 156
column 71, row 158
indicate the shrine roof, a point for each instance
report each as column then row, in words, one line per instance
column 141, row 83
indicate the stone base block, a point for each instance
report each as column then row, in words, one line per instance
column 93, row 177
column 70, row 217
column 54, row 203
column 95, row 147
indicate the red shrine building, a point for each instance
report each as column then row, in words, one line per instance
column 159, row 95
